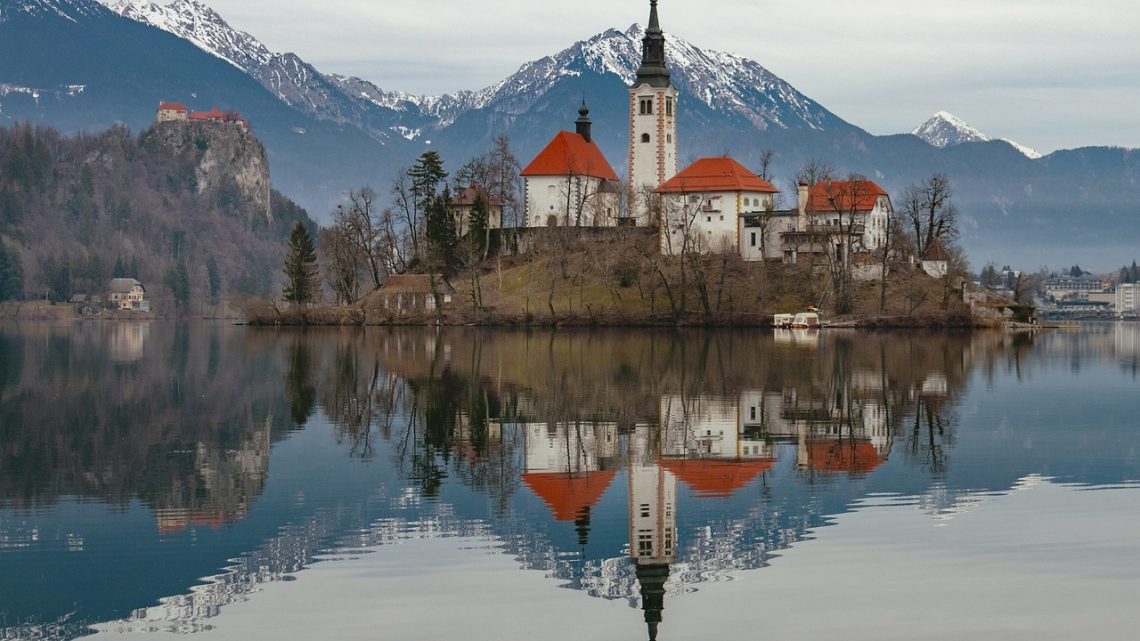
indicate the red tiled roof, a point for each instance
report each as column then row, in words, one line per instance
column 715, row 174
column 713, row 477
column 171, row 106
column 466, row 197
column 935, row 251
column 567, row 495
column 844, row 456
column 569, row 154
column 827, row 195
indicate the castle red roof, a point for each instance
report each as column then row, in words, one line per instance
column 568, row 495
column 466, row 197
column 569, row 154
column 714, row 477
column 838, row 195
column 857, row 457
column 171, row 106
column 715, row 174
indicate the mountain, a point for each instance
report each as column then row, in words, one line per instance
column 945, row 129
column 101, row 69
column 328, row 133
column 194, row 194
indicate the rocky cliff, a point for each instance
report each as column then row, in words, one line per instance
column 225, row 157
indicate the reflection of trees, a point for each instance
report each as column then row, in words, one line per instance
column 171, row 426
column 299, row 384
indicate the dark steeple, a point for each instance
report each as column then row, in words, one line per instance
column 653, row 69
column 582, row 124
column 652, row 580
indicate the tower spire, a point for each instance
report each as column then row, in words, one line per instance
column 653, row 69
column 582, row 124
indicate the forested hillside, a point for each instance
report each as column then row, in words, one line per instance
column 183, row 207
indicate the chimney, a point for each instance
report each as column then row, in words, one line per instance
column 582, row 124
column 802, row 202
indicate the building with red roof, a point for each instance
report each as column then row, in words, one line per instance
column 570, row 183
column 704, row 205
column 935, row 259
column 176, row 112
column 464, row 201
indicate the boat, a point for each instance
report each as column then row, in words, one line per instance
column 783, row 321
column 806, row 320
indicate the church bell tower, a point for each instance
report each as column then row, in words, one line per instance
column 652, row 123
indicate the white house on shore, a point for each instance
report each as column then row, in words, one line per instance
column 128, row 294
column 570, row 183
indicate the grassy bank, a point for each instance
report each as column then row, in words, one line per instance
column 622, row 280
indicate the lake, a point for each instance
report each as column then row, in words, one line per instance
column 425, row 483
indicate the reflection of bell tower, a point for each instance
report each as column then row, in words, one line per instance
column 652, row 524
column 652, row 121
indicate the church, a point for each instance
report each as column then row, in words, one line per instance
column 714, row 205
column 570, row 182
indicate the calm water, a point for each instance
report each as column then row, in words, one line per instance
column 419, row 484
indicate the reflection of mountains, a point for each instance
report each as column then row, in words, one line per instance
column 124, row 410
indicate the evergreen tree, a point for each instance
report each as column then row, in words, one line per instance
column 11, row 274
column 426, row 175
column 477, row 226
column 214, row 280
column 440, row 233
column 301, row 271
column 120, row 270
column 177, row 280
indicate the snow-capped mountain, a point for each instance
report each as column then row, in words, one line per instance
column 725, row 83
column 944, row 129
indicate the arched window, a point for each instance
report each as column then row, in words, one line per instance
column 644, row 137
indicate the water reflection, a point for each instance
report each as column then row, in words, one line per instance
column 631, row 466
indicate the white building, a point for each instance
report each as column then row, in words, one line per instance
column 1126, row 299
column 832, row 210
column 652, row 124
column 704, row 207
column 570, row 183
column 935, row 259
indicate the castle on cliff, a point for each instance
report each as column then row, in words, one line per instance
column 176, row 111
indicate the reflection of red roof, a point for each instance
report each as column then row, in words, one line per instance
column 171, row 106
column 716, row 174
column 838, row 195
column 567, row 495
column 713, row 477
column 569, row 154
column 857, row 457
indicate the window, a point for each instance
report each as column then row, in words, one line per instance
column 722, row 217
column 645, row 106
column 644, row 137
column 752, row 410
column 668, row 106
column 668, row 137
column 708, row 219
column 753, row 243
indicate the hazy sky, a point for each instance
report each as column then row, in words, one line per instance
column 1046, row 73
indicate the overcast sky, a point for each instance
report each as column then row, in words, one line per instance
column 1047, row 73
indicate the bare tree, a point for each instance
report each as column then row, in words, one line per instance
column 929, row 211
column 843, row 233
column 813, row 172
column 766, row 156
column 342, row 262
